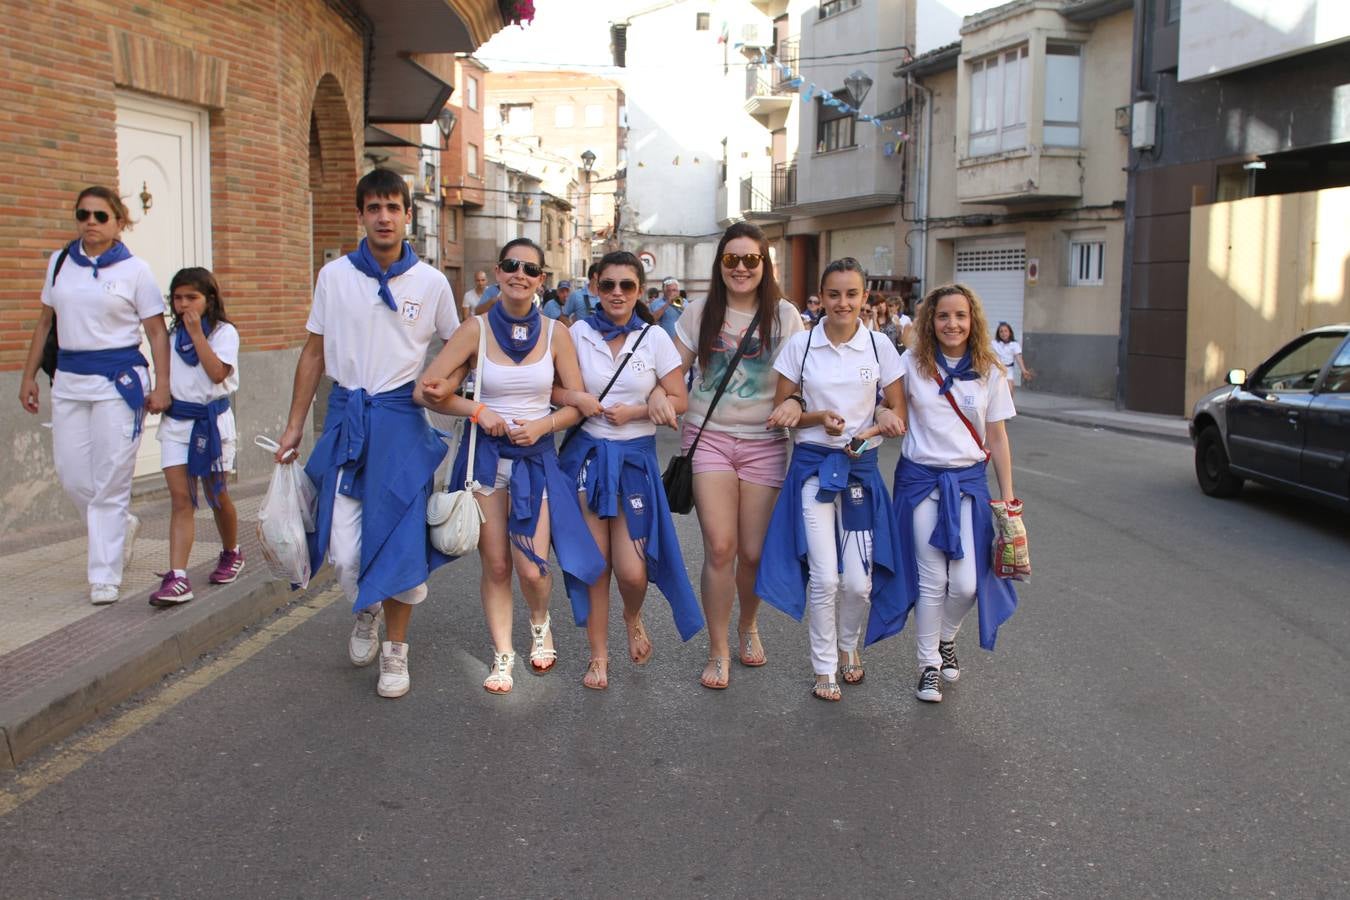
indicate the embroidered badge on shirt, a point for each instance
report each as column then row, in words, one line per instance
column 637, row 365
column 519, row 332
column 867, row 374
column 411, row 311
column 111, row 287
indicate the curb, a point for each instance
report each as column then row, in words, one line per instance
column 1120, row 428
column 61, row 706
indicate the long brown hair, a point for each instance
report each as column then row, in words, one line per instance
column 982, row 358
column 715, row 307
column 206, row 285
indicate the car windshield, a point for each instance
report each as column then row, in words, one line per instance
column 1297, row 368
column 1338, row 376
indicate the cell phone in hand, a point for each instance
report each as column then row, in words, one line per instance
column 858, row 446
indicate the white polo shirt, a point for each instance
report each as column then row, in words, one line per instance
column 654, row 359
column 101, row 313
column 191, row 383
column 936, row 436
column 842, row 378
column 366, row 344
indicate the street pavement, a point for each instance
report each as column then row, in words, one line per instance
column 1165, row 716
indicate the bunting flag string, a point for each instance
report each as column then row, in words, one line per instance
column 796, row 82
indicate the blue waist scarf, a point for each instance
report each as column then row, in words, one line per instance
column 204, row 445
column 994, row 597
column 114, row 254
column 784, row 568
column 118, row 366
column 535, row 469
column 364, row 262
column 182, row 342
column 623, row 476
column 381, row 450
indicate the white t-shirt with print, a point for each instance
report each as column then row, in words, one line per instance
column 366, row 344
column 654, row 359
column 936, row 436
column 101, row 313
column 1007, row 353
column 748, row 400
column 192, row 384
column 842, row 378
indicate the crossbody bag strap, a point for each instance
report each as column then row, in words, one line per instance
column 469, row 481
column 726, row 379
column 964, row 421
column 613, row 378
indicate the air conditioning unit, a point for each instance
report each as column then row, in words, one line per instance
column 1143, row 124
column 757, row 34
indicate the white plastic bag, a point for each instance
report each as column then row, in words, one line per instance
column 286, row 514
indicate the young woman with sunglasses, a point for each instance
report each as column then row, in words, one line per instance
column 101, row 297
column 527, row 501
column 741, row 459
column 612, row 457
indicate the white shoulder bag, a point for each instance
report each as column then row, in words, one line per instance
column 454, row 517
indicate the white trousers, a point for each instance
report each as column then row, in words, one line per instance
column 946, row 587
column 836, row 603
column 95, row 458
column 344, row 551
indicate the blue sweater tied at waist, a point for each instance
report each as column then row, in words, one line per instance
column 118, row 366
column 204, row 444
column 624, row 477
column 381, row 450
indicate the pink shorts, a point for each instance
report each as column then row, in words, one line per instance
column 762, row 461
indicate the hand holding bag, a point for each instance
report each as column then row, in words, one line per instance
column 454, row 517
column 1012, row 559
column 678, row 478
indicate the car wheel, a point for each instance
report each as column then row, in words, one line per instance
column 1211, row 465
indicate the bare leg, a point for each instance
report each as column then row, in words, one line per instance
column 181, row 532
column 756, row 508
column 630, row 569
column 597, row 620
column 495, row 556
column 536, row 586
column 717, row 499
column 227, row 521
column 396, row 618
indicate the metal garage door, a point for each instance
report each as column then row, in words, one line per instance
column 996, row 272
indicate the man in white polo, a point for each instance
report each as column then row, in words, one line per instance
column 375, row 312
column 475, row 296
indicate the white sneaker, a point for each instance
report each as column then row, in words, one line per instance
column 394, row 680
column 103, row 594
column 129, row 545
column 364, row 644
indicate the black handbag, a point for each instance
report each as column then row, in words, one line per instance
column 52, row 347
column 678, row 478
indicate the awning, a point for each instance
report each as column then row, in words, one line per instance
column 378, row 137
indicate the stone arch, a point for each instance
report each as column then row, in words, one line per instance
column 332, row 172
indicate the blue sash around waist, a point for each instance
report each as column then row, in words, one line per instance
column 118, row 366
column 204, row 444
column 624, row 477
column 379, row 449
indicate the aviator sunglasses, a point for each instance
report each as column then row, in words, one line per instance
column 732, row 260
column 511, row 265
column 82, row 215
column 607, row 285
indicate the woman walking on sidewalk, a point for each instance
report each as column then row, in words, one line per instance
column 624, row 355
column 958, row 400
column 98, row 297
column 1009, row 354
column 739, row 462
column 197, row 436
column 527, row 501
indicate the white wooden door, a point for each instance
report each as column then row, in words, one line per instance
column 995, row 269
column 163, row 179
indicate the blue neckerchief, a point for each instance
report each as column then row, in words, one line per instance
column 114, row 254
column 205, row 447
column 608, row 330
column 118, row 366
column 995, row 598
column 182, row 342
column 623, row 478
column 534, row 470
column 784, row 567
column 962, row 371
column 516, row 336
column 382, row 442
column 365, row 263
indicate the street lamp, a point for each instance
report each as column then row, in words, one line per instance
column 588, row 158
column 858, row 83
column 587, row 162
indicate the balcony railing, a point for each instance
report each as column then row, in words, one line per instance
column 763, row 81
column 754, row 199
column 786, row 54
column 783, row 185
column 768, row 192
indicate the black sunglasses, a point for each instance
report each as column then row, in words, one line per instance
column 607, row 285
column 511, row 265
column 82, row 215
column 751, row 260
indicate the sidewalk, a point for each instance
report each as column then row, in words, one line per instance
column 64, row 662
column 1099, row 414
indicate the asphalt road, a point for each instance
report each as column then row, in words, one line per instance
column 1166, row 716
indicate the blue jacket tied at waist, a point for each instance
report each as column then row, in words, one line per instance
column 204, row 444
column 784, row 569
column 623, row 476
column 381, row 450
column 534, row 470
column 995, row 598
column 119, row 367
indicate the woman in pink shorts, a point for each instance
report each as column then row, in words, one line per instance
column 740, row 462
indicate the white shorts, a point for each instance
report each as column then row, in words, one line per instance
column 503, row 479
column 175, row 453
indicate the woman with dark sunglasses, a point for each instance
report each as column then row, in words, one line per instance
column 99, row 297
column 740, row 460
column 527, row 501
column 612, row 458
